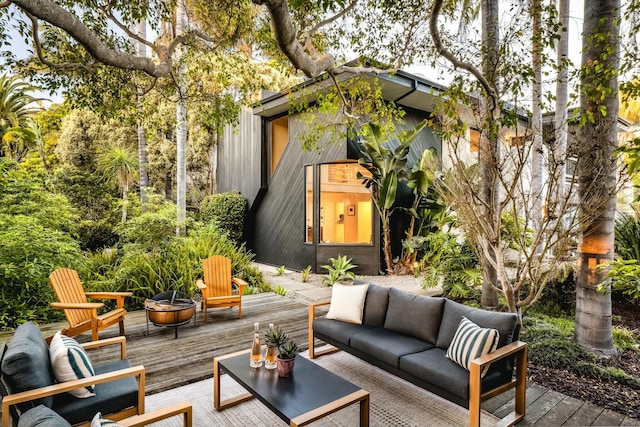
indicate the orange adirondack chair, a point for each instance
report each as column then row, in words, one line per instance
column 217, row 285
column 81, row 314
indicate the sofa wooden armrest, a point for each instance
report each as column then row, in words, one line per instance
column 38, row 393
column 312, row 315
column 476, row 394
column 183, row 408
column 119, row 340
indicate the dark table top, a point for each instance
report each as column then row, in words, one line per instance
column 310, row 387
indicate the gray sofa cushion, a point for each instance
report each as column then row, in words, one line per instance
column 112, row 396
column 433, row 367
column 505, row 323
column 26, row 364
column 339, row 331
column 41, row 416
column 375, row 306
column 414, row 315
column 387, row 346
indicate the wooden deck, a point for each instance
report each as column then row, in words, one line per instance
column 171, row 362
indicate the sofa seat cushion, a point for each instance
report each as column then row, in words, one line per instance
column 26, row 364
column 112, row 396
column 414, row 315
column 433, row 367
column 338, row 330
column 41, row 416
column 387, row 346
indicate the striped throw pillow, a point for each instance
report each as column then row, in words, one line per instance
column 471, row 341
column 70, row 362
column 98, row 421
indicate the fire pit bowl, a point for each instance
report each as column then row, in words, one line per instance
column 171, row 308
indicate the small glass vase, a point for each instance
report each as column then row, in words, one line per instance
column 270, row 358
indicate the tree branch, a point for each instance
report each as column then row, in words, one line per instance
column 309, row 34
column 49, row 11
column 435, row 35
column 285, row 34
column 125, row 29
column 38, row 46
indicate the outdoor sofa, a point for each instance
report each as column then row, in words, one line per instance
column 409, row 335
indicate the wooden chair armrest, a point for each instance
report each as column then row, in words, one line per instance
column 183, row 408
column 241, row 284
column 120, row 340
column 39, row 393
column 501, row 353
column 108, row 295
column 200, row 284
column 312, row 316
column 77, row 305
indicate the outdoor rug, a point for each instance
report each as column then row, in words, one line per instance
column 393, row 401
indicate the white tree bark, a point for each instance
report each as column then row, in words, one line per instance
column 562, row 100
column 181, row 127
column 537, row 154
column 142, row 137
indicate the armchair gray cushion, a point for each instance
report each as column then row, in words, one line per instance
column 41, row 416
column 26, row 364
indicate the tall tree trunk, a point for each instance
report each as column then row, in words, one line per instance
column 181, row 124
column 537, row 155
column 142, row 138
column 488, row 154
column 562, row 100
column 596, row 169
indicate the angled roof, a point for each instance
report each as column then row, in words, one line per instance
column 403, row 88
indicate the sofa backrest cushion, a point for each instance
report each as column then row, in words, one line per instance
column 453, row 313
column 375, row 305
column 414, row 315
column 26, row 365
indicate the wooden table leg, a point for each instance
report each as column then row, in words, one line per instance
column 364, row 412
column 218, row 404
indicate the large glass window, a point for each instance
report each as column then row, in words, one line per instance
column 308, row 211
column 279, row 140
column 346, row 211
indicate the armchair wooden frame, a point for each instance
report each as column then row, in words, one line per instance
column 81, row 314
column 135, row 371
column 217, row 285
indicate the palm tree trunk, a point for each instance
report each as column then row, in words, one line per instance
column 597, row 171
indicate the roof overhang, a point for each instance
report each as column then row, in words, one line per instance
column 402, row 88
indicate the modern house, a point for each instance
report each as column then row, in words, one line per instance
column 306, row 207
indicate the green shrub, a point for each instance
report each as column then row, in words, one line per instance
column 228, row 210
column 304, row 274
column 253, row 276
column 280, row 290
column 340, row 269
column 280, row 270
column 29, row 252
column 627, row 236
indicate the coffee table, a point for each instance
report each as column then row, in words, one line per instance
column 309, row 394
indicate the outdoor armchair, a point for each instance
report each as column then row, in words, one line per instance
column 217, row 285
column 28, row 381
column 81, row 314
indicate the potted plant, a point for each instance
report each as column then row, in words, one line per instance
column 286, row 358
column 274, row 338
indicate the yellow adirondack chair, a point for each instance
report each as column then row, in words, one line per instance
column 81, row 314
column 217, row 286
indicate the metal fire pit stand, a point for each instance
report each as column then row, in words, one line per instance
column 169, row 309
